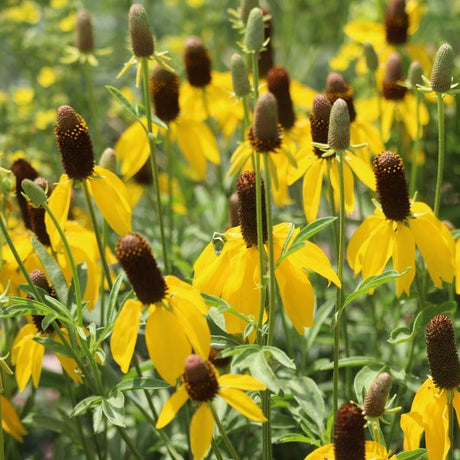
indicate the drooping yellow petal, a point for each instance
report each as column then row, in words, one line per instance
column 11, row 423
column 68, row 364
column 388, row 115
column 322, row 453
column 111, row 197
column 172, row 406
column 311, row 189
column 362, row 169
column 124, row 335
column 167, row 344
column 348, row 183
column 408, row 114
column 404, row 257
column 243, row 404
column 241, row 382
column 201, row 428
column 59, row 204
column 239, row 158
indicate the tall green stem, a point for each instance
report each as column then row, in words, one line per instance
column 414, row 165
column 233, row 454
column 92, row 105
column 441, row 152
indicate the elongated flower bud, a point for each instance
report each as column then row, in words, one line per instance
column 265, row 133
column 246, row 188
column 200, row 379
column 319, row 121
column 376, row 396
column 372, row 61
column 164, row 91
column 84, row 41
column 37, row 215
column 278, row 84
column 135, row 256
column 396, row 23
column 349, row 441
column 255, row 35
column 74, row 143
column 140, row 31
column 392, row 89
column 197, row 62
column 415, row 74
column 108, row 159
column 441, row 75
column 240, row 78
column 442, row 352
column 339, row 126
column 392, row 186
column 337, row 87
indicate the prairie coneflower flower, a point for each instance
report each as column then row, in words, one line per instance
column 106, row 188
column 202, row 383
column 349, row 441
column 397, row 228
column 176, row 310
column 430, row 413
column 234, row 274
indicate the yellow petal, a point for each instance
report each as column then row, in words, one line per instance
column 111, row 197
column 167, row 344
column 311, row 189
column 403, row 257
column 10, row 420
column 201, row 428
column 348, row 186
column 239, row 158
column 322, row 453
column 243, row 404
column 365, row 31
column 388, row 114
column 124, row 335
column 362, row 169
column 241, row 382
column 172, row 406
column 457, row 266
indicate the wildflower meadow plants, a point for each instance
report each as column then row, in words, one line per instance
column 229, row 230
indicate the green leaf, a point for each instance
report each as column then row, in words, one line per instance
column 280, row 356
column 124, row 102
column 53, row 270
column 412, row 454
column 54, row 346
column 141, row 383
column 371, row 283
column 84, row 405
column 98, row 426
column 114, row 409
column 82, row 273
column 113, row 298
column 321, row 315
column 293, row 437
column 354, row 361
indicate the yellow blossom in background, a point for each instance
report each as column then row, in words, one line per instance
column 23, row 96
column 26, row 11
column 44, row 118
column 67, row 24
column 195, row 3
column 59, row 3
column 47, row 76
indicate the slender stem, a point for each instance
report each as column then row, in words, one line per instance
column 153, row 160
column 414, row 165
column 92, row 105
column 231, row 449
column 170, row 172
column 441, row 152
column 97, row 233
column 129, row 443
column 2, row 441
column 255, row 76
column 216, row 450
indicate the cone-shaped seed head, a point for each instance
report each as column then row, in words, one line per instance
column 319, row 121
column 377, row 394
column 349, row 441
column 84, row 41
column 39, row 279
column 255, row 35
column 135, row 256
column 441, row 75
column 278, row 84
column 442, row 352
column 140, row 31
column 200, row 379
column 396, row 23
column 372, row 61
column 391, row 88
column 74, row 143
column 247, row 212
column 339, row 126
column 164, row 91
column 337, row 87
column 197, row 62
column 240, row 78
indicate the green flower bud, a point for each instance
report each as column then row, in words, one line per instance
column 441, row 75
column 108, row 160
column 34, row 192
column 140, row 31
column 255, row 36
column 339, row 126
column 372, row 61
column 240, row 79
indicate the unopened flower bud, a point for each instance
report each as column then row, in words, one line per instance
column 278, row 84
column 34, row 192
column 200, row 379
column 415, row 74
column 372, row 61
column 392, row 89
column 255, row 36
column 339, row 126
column 392, row 186
column 140, row 31
column 39, row 279
column 84, row 41
column 396, row 23
column 376, row 396
column 319, row 121
column 108, row 160
column 337, row 87
column 442, row 352
column 441, row 75
column 240, row 78
column 164, row 91
column 349, row 439
column 197, row 62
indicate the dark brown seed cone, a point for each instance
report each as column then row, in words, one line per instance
column 266, row 60
column 135, row 256
column 337, row 87
column 441, row 75
column 278, row 84
column 396, row 23
column 74, row 142
column 376, row 396
column 319, row 121
column 39, row 279
column 246, row 188
column 200, row 379
column 164, row 91
column 442, row 352
column 22, row 169
column 144, row 175
column 140, row 31
column 197, row 62
column 37, row 216
column 392, row 186
column 391, row 88
column 84, row 41
column 265, row 134
column 349, row 440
